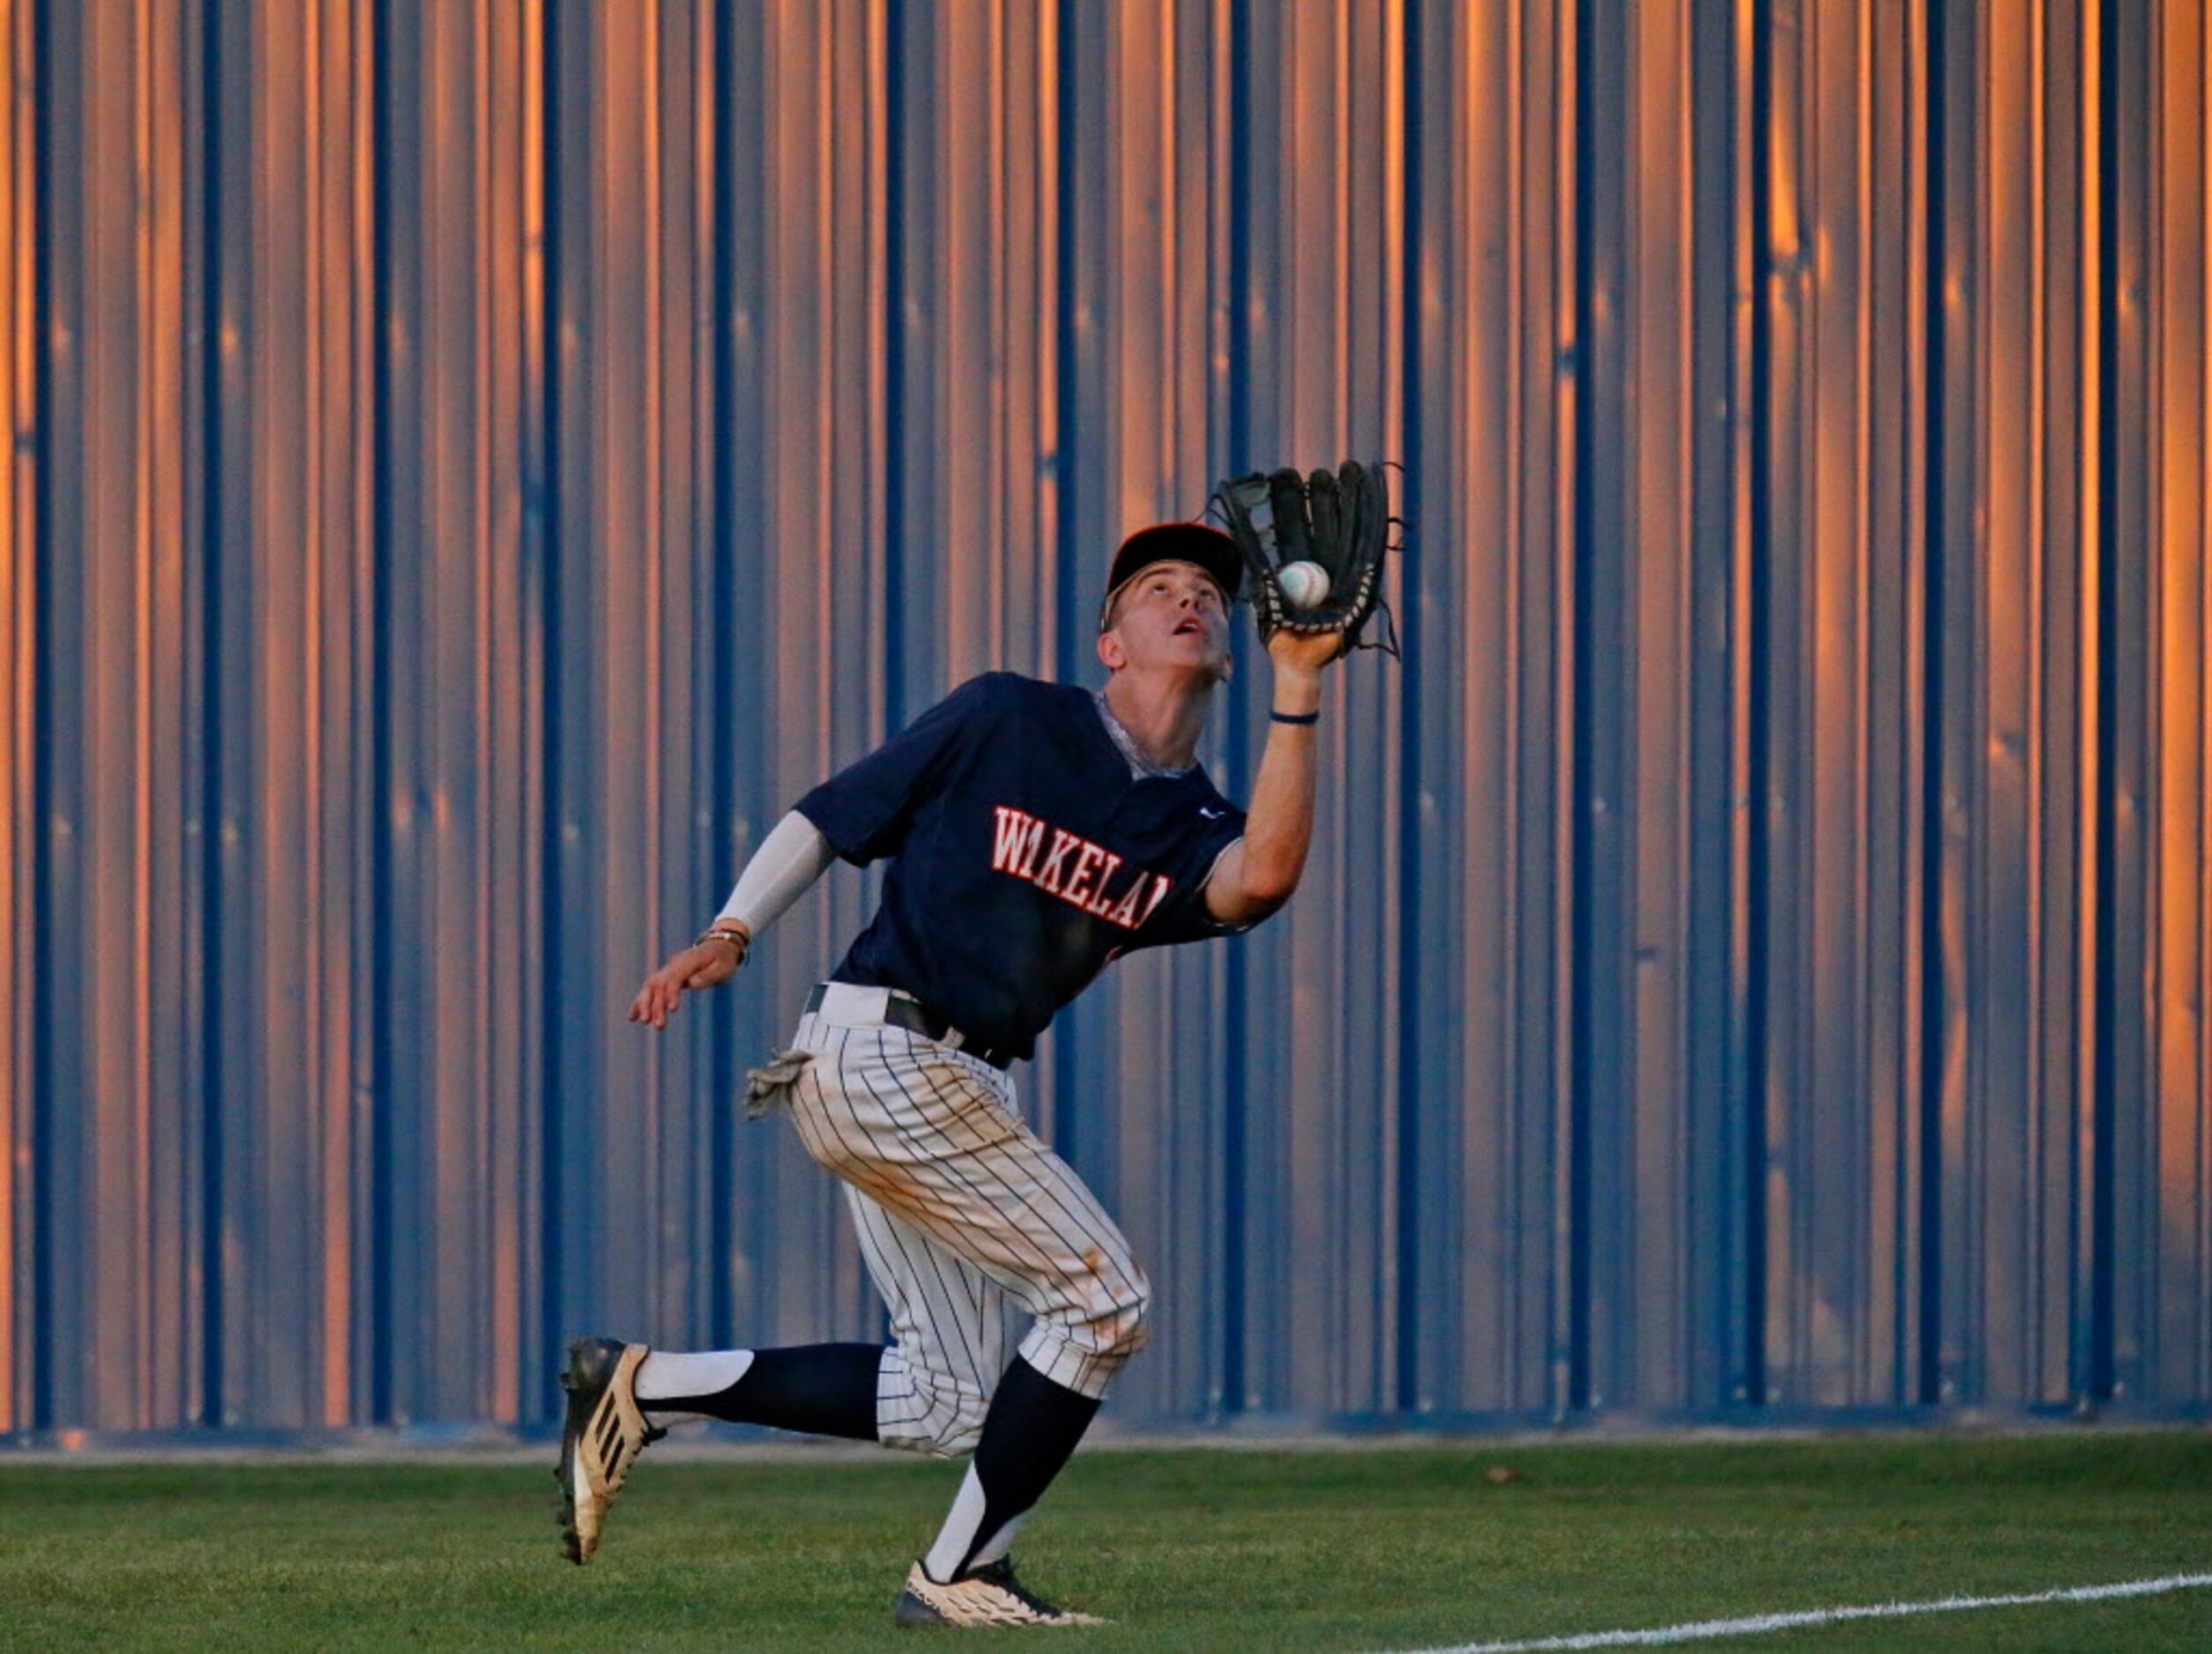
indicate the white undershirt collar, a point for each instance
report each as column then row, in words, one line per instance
column 1140, row 766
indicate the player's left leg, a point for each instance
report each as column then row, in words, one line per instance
column 934, row 1140
column 949, row 1388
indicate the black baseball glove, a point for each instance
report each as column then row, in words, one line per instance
column 1339, row 519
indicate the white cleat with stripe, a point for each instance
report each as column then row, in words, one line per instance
column 600, row 1443
column 982, row 1597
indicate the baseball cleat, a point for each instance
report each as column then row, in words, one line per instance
column 986, row 1596
column 604, row 1435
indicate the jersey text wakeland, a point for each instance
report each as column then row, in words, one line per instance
column 1072, row 868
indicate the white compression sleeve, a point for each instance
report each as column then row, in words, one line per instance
column 790, row 859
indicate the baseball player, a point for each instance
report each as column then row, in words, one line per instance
column 1036, row 831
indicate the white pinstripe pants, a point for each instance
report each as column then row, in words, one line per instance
column 960, row 1206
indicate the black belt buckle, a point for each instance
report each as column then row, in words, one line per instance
column 905, row 1011
column 917, row 1018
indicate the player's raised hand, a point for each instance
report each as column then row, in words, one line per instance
column 1305, row 652
column 706, row 964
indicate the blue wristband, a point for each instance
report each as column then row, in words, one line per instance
column 1294, row 718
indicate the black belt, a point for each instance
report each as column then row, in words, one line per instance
column 903, row 1010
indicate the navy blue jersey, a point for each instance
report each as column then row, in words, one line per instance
column 1026, row 855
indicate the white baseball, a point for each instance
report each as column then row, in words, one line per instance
column 1303, row 584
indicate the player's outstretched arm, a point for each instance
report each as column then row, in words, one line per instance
column 1258, row 873
column 789, row 861
column 707, row 963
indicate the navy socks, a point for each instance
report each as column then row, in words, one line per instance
column 1028, row 1436
column 819, row 1389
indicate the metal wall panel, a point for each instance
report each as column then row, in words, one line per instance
column 475, row 464
column 18, row 357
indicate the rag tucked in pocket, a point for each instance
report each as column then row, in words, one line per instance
column 767, row 1087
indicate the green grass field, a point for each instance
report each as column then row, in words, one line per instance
column 1397, row 1549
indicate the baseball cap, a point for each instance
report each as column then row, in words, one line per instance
column 1209, row 548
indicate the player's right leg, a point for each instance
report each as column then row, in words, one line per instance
column 623, row 1397
column 951, row 1337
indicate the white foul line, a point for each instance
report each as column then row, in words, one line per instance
column 1758, row 1623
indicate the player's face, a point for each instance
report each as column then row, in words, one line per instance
column 1173, row 615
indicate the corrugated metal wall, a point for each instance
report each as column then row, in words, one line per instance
column 476, row 463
